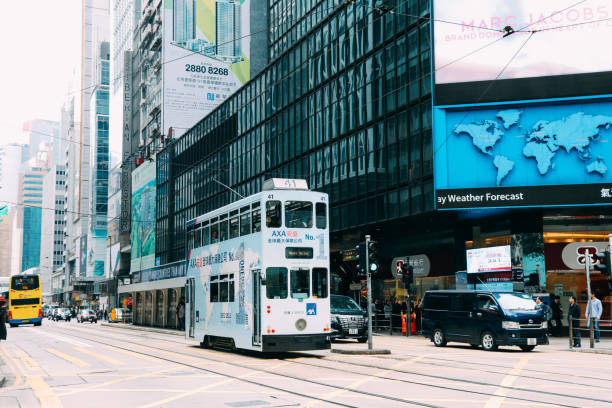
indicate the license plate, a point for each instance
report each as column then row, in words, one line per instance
column 352, row 331
column 532, row 342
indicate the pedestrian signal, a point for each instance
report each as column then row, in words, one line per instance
column 603, row 263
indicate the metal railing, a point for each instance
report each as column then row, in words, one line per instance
column 399, row 323
column 592, row 325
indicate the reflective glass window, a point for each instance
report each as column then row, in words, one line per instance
column 298, row 214
column 300, row 283
column 273, row 214
column 321, row 209
column 276, row 283
column 320, row 283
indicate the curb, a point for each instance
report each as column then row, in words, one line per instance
column 143, row 328
column 592, row 351
column 361, row 352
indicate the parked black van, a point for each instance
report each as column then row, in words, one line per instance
column 485, row 318
column 348, row 320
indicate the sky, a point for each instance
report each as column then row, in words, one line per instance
column 40, row 48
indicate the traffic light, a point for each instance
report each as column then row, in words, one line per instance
column 373, row 256
column 361, row 258
column 604, row 265
column 407, row 274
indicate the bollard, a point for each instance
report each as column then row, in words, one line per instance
column 592, row 331
column 571, row 333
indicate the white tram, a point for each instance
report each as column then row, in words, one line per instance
column 258, row 272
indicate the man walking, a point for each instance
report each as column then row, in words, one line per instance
column 557, row 316
column 3, row 318
column 596, row 309
column 573, row 318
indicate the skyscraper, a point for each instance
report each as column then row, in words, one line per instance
column 227, row 28
column 184, row 24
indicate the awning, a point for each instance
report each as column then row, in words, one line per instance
column 153, row 285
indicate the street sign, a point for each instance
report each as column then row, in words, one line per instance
column 349, row 255
column 355, row 286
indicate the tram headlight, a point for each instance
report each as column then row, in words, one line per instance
column 300, row 324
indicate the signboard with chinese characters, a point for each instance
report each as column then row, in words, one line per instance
column 421, row 266
column 492, row 259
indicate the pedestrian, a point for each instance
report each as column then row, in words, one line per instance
column 594, row 306
column 180, row 313
column 547, row 311
column 2, row 318
column 106, row 314
column 557, row 316
column 387, row 311
column 396, row 310
column 573, row 317
column 417, row 313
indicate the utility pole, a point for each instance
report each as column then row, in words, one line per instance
column 369, row 285
column 587, row 267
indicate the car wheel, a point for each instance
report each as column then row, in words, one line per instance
column 527, row 348
column 438, row 338
column 487, row 340
column 362, row 339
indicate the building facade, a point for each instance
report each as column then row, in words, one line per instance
column 346, row 103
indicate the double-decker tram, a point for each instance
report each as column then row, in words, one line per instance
column 258, row 272
column 24, row 300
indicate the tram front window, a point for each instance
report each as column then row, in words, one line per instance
column 273, row 214
column 321, row 209
column 319, row 282
column 276, row 283
column 298, row 214
column 300, row 283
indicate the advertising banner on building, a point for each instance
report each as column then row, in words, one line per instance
column 206, row 55
column 536, row 49
column 143, row 217
column 523, row 154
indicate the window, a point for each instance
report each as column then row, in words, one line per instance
column 256, row 218
column 198, row 238
column 462, row 302
column 25, row 282
column 437, row 302
column 234, row 227
column 298, row 214
column 300, row 283
column 223, row 288
column 319, row 282
column 223, row 229
column 206, row 234
column 214, row 233
column 214, row 288
column 276, row 283
column 273, row 214
column 245, row 221
column 321, row 209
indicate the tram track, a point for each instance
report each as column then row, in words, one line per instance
column 253, row 382
column 377, row 367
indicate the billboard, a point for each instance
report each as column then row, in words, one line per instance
column 491, row 259
column 523, row 154
column 143, row 217
column 206, row 51
column 551, row 39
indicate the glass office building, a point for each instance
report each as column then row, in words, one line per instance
column 344, row 104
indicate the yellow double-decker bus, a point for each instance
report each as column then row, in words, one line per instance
column 24, row 300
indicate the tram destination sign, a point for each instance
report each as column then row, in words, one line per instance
column 298, row 253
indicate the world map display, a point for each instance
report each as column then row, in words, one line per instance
column 531, row 145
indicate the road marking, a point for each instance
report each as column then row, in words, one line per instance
column 134, row 354
column 501, row 393
column 44, row 393
column 206, row 387
column 67, row 340
column 73, row 360
column 27, row 361
column 13, row 367
column 129, row 378
column 109, row 360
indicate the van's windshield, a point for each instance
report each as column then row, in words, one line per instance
column 515, row 301
column 344, row 303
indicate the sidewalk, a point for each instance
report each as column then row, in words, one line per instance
column 144, row 328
